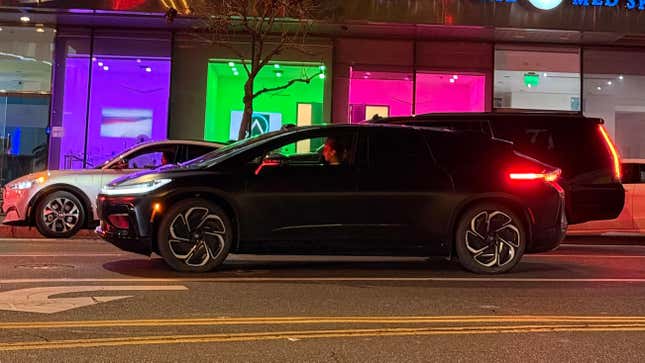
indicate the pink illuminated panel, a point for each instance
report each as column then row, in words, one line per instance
column 390, row 91
column 450, row 92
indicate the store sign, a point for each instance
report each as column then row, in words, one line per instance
column 552, row 4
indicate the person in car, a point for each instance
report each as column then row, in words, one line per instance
column 334, row 152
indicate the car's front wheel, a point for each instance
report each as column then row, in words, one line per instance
column 490, row 238
column 59, row 214
column 194, row 236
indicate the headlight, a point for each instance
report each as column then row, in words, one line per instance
column 27, row 183
column 130, row 189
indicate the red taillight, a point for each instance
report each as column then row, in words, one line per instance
column 612, row 149
column 547, row 177
column 120, row 221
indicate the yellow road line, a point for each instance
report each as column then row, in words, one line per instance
column 313, row 334
column 322, row 320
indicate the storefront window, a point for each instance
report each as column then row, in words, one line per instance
column 25, row 90
column 127, row 79
column 614, row 90
column 300, row 103
column 537, row 78
column 380, row 94
column 450, row 92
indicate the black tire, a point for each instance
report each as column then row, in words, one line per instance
column 59, row 214
column 490, row 238
column 197, row 228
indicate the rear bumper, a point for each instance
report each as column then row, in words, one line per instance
column 594, row 202
column 547, row 237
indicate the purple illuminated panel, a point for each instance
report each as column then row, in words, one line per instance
column 128, row 104
column 450, row 92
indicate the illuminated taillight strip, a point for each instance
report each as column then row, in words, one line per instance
column 548, row 177
column 612, row 149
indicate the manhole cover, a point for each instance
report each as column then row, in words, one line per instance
column 45, row 266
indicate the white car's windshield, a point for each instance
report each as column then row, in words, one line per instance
column 207, row 159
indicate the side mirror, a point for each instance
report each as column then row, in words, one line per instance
column 271, row 160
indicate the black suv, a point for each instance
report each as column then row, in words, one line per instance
column 342, row 190
column 578, row 145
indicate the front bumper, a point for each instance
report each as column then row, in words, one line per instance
column 137, row 236
column 15, row 204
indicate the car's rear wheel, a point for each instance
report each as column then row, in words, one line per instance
column 59, row 214
column 194, row 236
column 490, row 238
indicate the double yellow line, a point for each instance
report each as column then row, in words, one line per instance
column 469, row 325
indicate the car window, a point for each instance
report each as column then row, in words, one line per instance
column 195, row 151
column 558, row 142
column 396, row 149
column 149, row 157
column 335, row 148
column 642, row 181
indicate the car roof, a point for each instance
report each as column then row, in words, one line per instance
column 473, row 115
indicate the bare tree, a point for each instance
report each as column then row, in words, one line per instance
column 268, row 28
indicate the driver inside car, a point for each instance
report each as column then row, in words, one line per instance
column 334, row 152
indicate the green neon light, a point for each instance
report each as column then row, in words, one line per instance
column 225, row 90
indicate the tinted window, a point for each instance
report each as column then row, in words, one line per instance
column 194, row 151
column 398, row 149
column 456, row 149
column 149, row 158
column 572, row 144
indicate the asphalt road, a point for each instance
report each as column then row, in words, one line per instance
column 84, row 300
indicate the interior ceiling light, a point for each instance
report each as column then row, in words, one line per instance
column 452, row 80
column 599, row 88
column 609, row 83
column 25, row 19
column 621, row 77
column 40, row 30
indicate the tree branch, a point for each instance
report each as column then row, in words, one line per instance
column 286, row 85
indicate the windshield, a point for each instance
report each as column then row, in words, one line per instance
column 206, row 159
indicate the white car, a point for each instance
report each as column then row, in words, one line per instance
column 632, row 219
column 60, row 202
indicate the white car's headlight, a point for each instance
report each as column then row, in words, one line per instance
column 26, row 184
column 130, row 189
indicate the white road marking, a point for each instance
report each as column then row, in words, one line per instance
column 37, row 299
column 323, row 279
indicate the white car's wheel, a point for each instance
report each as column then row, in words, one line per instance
column 59, row 214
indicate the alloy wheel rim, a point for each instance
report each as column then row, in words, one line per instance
column 61, row 215
column 492, row 239
column 196, row 236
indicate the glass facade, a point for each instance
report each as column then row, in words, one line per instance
column 536, row 78
column 114, row 93
column 300, row 104
column 25, row 92
column 614, row 90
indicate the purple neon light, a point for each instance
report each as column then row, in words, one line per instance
column 127, row 86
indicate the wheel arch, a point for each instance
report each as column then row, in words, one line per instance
column 77, row 192
column 506, row 200
column 213, row 196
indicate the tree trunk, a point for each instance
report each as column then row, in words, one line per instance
column 245, row 125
